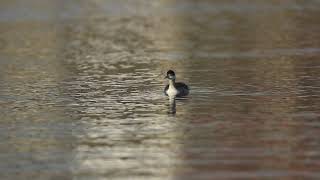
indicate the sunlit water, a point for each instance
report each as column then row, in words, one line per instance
column 81, row 90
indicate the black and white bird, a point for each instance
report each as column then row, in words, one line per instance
column 175, row 89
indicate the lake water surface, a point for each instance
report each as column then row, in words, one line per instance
column 81, row 89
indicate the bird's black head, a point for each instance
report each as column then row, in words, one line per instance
column 171, row 75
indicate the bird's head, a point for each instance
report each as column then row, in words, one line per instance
column 170, row 75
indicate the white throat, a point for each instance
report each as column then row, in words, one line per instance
column 172, row 91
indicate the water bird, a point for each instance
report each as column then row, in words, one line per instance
column 175, row 89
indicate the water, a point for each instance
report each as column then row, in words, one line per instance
column 81, row 90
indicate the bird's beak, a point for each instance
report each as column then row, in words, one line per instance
column 166, row 77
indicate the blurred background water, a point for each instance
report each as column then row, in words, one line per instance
column 81, row 89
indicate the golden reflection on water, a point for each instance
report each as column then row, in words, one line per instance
column 82, row 96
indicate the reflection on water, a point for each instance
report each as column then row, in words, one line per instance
column 81, row 90
column 172, row 105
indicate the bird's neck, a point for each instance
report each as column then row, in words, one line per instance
column 171, row 83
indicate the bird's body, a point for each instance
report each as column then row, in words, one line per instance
column 174, row 89
column 179, row 89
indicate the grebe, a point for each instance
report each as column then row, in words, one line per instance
column 178, row 89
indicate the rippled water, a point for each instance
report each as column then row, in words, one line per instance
column 81, row 90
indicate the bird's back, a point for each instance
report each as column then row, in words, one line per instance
column 182, row 88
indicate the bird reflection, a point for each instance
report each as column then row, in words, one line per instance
column 172, row 105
